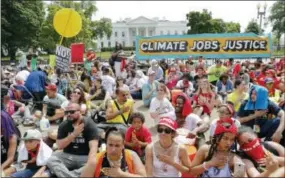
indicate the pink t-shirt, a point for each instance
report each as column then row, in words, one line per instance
column 142, row 135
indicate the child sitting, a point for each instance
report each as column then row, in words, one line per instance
column 34, row 153
column 137, row 136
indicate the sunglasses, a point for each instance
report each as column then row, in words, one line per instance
column 69, row 112
column 166, row 130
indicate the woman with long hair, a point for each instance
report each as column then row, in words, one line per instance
column 160, row 106
column 116, row 161
column 9, row 140
column 204, row 97
column 165, row 158
column 217, row 160
column 256, row 153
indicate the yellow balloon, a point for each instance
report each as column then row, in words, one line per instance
column 67, row 22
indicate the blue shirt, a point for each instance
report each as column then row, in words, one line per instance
column 36, row 81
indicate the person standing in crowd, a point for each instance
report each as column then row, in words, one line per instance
column 149, row 89
column 54, row 101
column 260, row 158
column 215, row 71
column 160, row 106
column 158, row 70
column 200, row 63
column 261, row 114
column 216, row 159
column 36, row 83
column 165, row 158
column 78, row 138
column 116, row 161
column 117, row 59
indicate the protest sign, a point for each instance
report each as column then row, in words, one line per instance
column 235, row 45
column 77, row 53
column 62, row 57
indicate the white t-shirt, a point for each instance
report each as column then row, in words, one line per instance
column 141, row 82
column 214, row 124
column 163, row 107
column 191, row 121
column 108, row 83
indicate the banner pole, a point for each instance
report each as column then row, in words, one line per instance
column 61, row 39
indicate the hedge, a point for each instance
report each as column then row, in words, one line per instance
column 111, row 49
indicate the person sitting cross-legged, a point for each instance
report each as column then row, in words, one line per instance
column 78, row 138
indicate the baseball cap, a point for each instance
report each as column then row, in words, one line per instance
column 168, row 122
column 51, row 87
column 32, row 134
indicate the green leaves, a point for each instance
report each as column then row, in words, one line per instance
column 277, row 18
column 202, row 22
column 253, row 27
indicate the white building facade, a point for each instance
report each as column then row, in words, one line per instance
column 125, row 32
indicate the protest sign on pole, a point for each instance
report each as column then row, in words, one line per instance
column 62, row 58
column 228, row 45
column 77, row 53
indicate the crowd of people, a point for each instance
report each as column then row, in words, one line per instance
column 223, row 120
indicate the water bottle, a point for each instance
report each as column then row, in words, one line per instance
column 44, row 126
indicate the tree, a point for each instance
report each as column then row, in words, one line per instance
column 217, row 26
column 90, row 29
column 277, row 18
column 232, row 27
column 253, row 27
column 199, row 22
column 202, row 22
column 21, row 22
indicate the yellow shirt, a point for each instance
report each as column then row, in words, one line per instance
column 235, row 97
column 119, row 118
column 217, row 72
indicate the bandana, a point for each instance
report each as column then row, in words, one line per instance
column 34, row 153
column 254, row 149
column 221, row 128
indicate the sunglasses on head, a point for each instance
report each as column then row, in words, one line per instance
column 69, row 112
column 165, row 130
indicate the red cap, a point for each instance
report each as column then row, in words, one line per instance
column 221, row 128
column 168, row 122
column 51, row 87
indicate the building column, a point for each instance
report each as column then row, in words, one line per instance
column 146, row 29
column 137, row 31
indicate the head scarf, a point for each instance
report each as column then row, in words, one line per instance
column 187, row 109
column 261, row 102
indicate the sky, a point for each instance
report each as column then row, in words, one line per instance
column 236, row 11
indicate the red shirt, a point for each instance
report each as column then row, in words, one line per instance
column 260, row 79
column 143, row 135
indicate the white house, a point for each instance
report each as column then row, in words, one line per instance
column 125, row 31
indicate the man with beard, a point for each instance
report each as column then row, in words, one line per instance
column 78, row 138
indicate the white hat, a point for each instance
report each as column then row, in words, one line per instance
column 32, row 134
